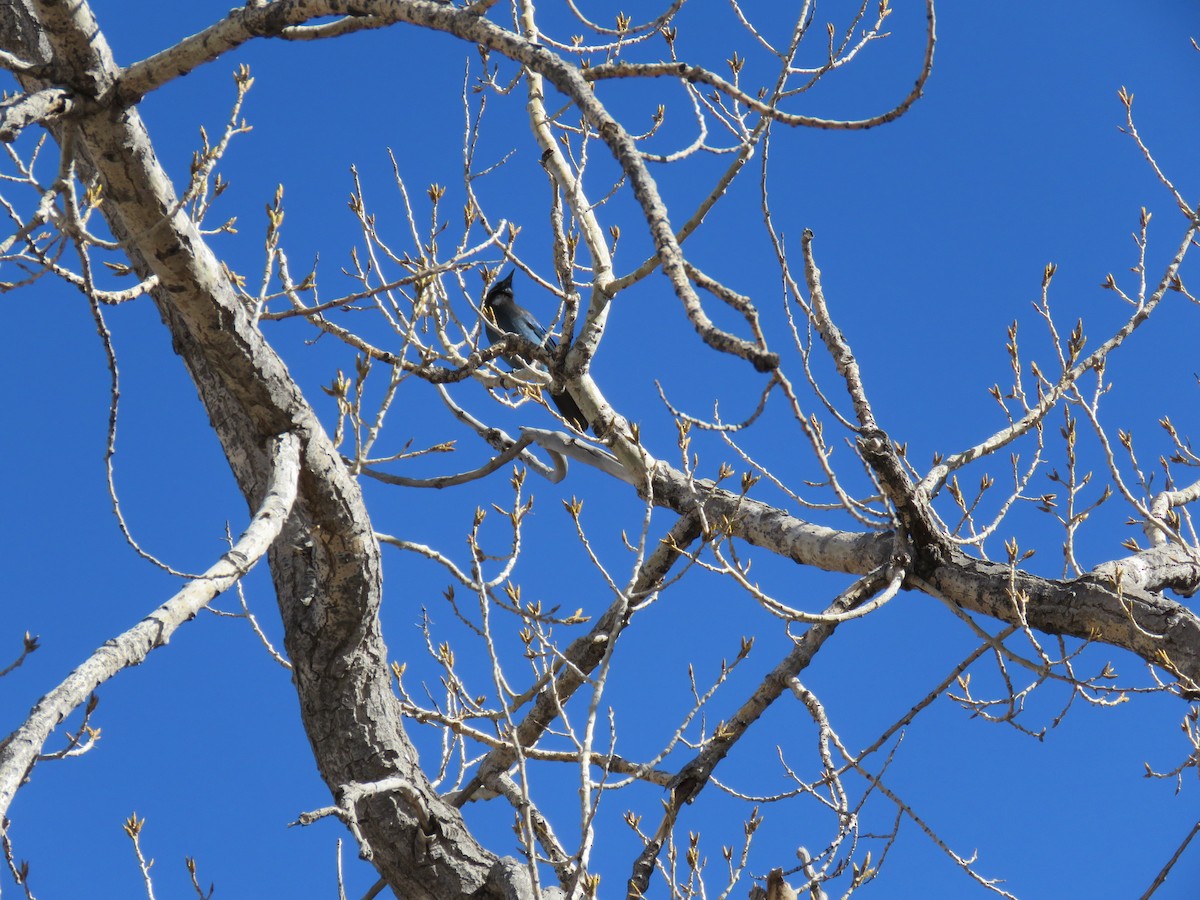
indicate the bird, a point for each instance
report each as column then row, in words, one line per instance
column 503, row 315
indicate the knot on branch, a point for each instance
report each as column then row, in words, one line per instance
column 873, row 444
column 508, row 879
column 764, row 360
column 929, row 544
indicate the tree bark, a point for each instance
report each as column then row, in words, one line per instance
column 326, row 566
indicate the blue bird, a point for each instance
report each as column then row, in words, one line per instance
column 503, row 315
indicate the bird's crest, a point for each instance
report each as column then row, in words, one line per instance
column 503, row 286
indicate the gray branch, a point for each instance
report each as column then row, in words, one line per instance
column 20, row 750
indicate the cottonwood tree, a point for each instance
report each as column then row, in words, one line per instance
column 523, row 707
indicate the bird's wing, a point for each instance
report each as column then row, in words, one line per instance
column 527, row 326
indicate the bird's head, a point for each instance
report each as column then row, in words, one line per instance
column 500, row 290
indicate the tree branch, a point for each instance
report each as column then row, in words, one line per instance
column 20, row 750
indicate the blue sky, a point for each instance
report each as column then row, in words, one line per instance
column 932, row 234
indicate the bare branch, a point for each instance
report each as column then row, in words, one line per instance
column 38, row 108
column 19, row 750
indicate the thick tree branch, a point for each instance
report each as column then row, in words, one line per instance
column 20, row 750
column 1161, row 567
column 327, row 569
column 38, row 108
column 1092, row 608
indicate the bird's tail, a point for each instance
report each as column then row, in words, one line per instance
column 569, row 409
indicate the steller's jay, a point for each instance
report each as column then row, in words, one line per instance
column 502, row 315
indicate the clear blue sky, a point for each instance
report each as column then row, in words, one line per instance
column 932, row 234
